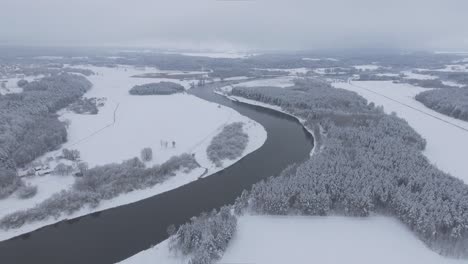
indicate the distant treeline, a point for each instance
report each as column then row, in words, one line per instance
column 161, row 88
column 451, row 102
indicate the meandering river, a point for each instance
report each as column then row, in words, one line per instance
column 116, row 234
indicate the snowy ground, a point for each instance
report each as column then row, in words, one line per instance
column 296, row 239
column 319, row 59
column 216, row 55
column 11, row 84
column 140, row 121
column 368, row 67
column 283, row 82
column 447, row 138
column 412, row 75
column 301, row 239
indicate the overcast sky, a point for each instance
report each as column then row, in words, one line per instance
column 231, row 24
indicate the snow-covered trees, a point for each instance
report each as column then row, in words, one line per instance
column 22, row 83
column 71, row 154
column 9, row 182
column 146, row 154
column 367, row 162
column 205, row 237
column 161, row 88
column 28, row 124
column 228, row 144
column 27, row 191
column 63, row 169
column 100, row 183
column 451, row 102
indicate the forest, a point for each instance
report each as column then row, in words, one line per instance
column 29, row 126
column 451, row 102
column 161, row 88
column 367, row 162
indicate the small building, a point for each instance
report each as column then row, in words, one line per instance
column 44, row 172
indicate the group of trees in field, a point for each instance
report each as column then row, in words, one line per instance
column 86, row 106
column 229, row 144
column 367, row 162
column 206, row 237
column 161, row 88
column 427, row 83
column 451, row 102
column 29, row 126
column 146, row 154
column 97, row 184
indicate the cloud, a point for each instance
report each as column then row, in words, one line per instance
column 258, row 24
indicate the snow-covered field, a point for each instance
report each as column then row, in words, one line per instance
column 297, row 239
column 140, row 121
column 446, row 143
column 283, row 82
column 11, row 84
column 319, row 59
column 216, row 55
column 368, row 67
column 412, row 75
column 303, row 239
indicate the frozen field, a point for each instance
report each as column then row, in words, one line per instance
column 295, row 239
column 300, row 239
column 11, row 84
column 447, row 138
column 140, row 121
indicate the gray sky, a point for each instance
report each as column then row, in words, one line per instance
column 255, row 24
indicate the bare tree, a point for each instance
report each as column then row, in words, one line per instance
column 146, row 154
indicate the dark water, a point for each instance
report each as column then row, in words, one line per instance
column 118, row 233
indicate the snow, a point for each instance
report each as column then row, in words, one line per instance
column 454, row 68
column 388, row 74
column 216, row 55
column 299, row 239
column 446, row 142
column 412, row 75
column 11, row 84
column 283, row 82
column 140, row 121
column 319, row 59
column 368, row 67
column 292, row 71
column 451, row 83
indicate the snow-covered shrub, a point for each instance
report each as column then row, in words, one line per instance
column 206, row 237
column 161, row 88
column 9, row 182
column 100, row 183
column 26, row 191
column 146, row 154
column 451, row 102
column 85, row 106
column 71, row 154
column 22, row 83
column 63, row 169
column 230, row 143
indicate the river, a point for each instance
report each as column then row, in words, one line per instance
column 116, row 234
